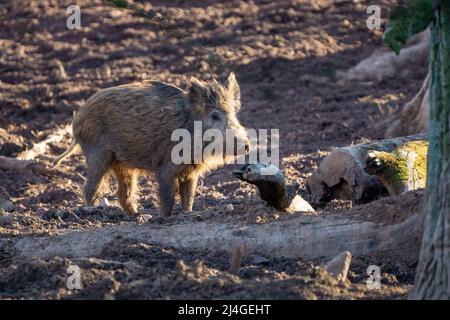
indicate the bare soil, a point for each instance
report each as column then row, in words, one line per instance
column 285, row 55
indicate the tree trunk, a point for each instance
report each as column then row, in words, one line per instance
column 341, row 175
column 433, row 271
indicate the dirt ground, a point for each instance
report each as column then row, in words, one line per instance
column 285, row 55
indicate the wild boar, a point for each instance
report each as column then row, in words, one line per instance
column 127, row 130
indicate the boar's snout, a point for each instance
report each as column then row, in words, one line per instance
column 241, row 141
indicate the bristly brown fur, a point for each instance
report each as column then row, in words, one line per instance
column 127, row 129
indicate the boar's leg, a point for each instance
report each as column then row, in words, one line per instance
column 188, row 187
column 126, row 186
column 98, row 163
column 167, row 190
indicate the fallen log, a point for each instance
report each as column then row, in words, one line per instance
column 342, row 174
column 296, row 236
column 8, row 163
column 40, row 148
column 402, row 170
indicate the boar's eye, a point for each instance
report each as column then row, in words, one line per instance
column 215, row 116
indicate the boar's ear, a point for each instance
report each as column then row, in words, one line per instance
column 196, row 93
column 233, row 89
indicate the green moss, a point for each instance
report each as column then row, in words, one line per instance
column 403, row 169
column 420, row 149
column 405, row 21
column 393, row 171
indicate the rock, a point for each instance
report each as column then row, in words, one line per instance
column 104, row 203
column 229, row 207
column 299, row 204
column 7, row 205
column 339, row 265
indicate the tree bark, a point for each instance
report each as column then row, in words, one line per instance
column 433, row 271
column 341, row 175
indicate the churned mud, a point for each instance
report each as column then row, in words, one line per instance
column 285, row 55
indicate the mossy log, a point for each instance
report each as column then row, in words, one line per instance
column 401, row 170
column 343, row 175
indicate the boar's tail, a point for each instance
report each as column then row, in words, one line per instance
column 74, row 147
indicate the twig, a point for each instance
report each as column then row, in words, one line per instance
column 41, row 147
column 236, row 259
